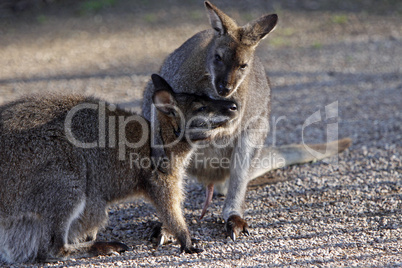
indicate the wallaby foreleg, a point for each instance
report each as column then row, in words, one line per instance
column 167, row 202
column 237, row 187
column 243, row 163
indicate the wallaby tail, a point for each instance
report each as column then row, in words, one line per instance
column 304, row 153
column 276, row 157
column 298, row 154
column 20, row 238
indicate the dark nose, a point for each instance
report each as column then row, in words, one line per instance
column 223, row 91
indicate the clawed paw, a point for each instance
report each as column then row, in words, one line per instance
column 159, row 235
column 235, row 226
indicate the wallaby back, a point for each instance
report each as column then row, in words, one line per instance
column 61, row 167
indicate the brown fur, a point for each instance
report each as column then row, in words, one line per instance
column 54, row 195
column 221, row 64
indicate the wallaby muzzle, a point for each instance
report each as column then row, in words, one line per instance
column 224, row 88
column 202, row 127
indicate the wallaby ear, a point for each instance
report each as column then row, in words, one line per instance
column 164, row 101
column 163, row 97
column 220, row 22
column 160, row 83
column 255, row 31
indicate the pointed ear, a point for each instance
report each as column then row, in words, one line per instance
column 163, row 97
column 220, row 22
column 258, row 29
column 164, row 101
column 160, row 83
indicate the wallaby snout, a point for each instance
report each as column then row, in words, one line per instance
column 223, row 89
column 208, row 117
column 228, row 109
column 227, row 72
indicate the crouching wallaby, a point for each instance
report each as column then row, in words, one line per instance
column 58, row 175
column 221, row 63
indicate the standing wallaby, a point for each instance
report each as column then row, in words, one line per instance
column 57, row 176
column 221, row 63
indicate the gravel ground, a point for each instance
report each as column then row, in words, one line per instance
column 345, row 212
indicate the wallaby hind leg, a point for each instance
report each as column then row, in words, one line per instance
column 29, row 238
column 21, row 237
column 63, row 228
column 94, row 217
column 60, row 249
column 42, row 215
column 88, row 250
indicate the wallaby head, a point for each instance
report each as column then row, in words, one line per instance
column 190, row 116
column 231, row 54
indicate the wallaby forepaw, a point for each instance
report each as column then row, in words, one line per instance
column 159, row 236
column 156, row 231
column 235, row 226
column 107, row 248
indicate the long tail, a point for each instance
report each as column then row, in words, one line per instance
column 287, row 155
column 278, row 157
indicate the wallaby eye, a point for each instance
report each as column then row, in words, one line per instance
column 243, row 66
column 203, row 108
column 218, row 58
